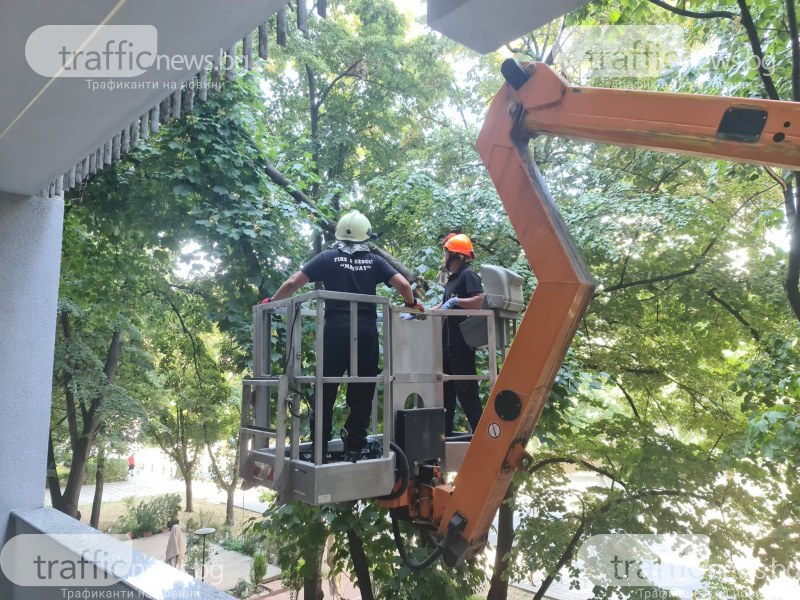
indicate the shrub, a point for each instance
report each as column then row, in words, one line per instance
column 259, row 569
column 241, row 590
column 148, row 515
column 166, row 508
column 146, row 518
column 124, row 524
column 251, row 541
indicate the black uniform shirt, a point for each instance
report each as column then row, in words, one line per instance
column 357, row 273
column 465, row 283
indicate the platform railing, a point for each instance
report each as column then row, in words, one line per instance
column 288, row 384
column 271, row 402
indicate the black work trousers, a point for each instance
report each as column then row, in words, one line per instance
column 459, row 359
column 359, row 395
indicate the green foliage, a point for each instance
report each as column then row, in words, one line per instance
column 258, row 570
column 251, row 541
column 303, row 530
column 680, row 387
column 116, row 469
column 772, row 378
column 166, row 508
column 148, row 516
column 241, row 589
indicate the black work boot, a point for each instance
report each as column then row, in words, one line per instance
column 349, row 453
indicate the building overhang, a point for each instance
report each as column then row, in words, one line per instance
column 48, row 124
column 485, row 25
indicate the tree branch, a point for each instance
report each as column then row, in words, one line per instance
column 693, row 269
column 792, row 279
column 72, row 417
column 112, row 357
column 53, row 484
column 185, row 329
column 755, row 45
column 791, row 17
column 627, row 397
column 215, row 470
column 92, row 417
column 574, row 461
column 778, row 179
column 666, row 175
column 566, row 556
column 736, row 313
column 656, row 279
column 282, row 181
column 336, row 79
column 714, row 14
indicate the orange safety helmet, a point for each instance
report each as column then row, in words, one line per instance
column 459, row 244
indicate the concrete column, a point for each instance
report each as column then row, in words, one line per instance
column 30, row 257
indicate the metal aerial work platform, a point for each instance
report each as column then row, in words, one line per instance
column 288, row 355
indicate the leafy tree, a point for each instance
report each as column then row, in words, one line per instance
column 95, row 317
column 190, row 390
column 225, row 454
column 363, row 526
column 683, row 255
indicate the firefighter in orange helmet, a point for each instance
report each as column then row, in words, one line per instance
column 463, row 290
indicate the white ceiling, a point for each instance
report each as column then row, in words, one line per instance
column 49, row 124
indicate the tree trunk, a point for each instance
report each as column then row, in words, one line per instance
column 82, row 442
column 98, row 488
column 53, row 484
column 77, row 475
column 229, row 504
column 498, row 590
column 219, row 479
column 187, row 479
column 312, row 586
column 360, row 564
column 791, row 282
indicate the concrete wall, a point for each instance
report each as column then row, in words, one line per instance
column 112, row 569
column 30, row 255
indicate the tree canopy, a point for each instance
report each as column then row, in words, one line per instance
column 679, row 396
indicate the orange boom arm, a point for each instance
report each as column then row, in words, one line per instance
column 536, row 101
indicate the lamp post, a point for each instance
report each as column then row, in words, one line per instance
column 204, row 533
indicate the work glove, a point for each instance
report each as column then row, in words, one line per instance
column 449, row 304
column 411, row 316
column 266, row 300
column 416, row 306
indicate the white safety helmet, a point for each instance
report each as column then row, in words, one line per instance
column 353, row 227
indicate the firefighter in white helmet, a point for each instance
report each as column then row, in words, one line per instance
column 349, row 266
